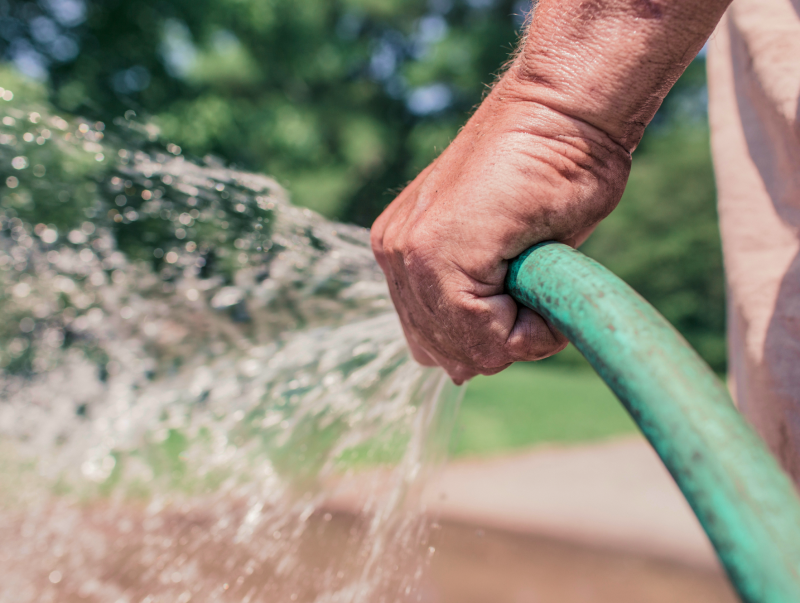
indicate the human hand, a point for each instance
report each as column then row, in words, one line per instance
column 519, row 173
column 545, row 157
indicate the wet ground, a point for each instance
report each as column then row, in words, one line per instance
column 113, row 556
column 598, row 523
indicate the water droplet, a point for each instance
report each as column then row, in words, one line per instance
column 21, row 290
column 49, row 235
column 76, row 237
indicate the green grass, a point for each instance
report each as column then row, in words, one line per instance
column 536, row 403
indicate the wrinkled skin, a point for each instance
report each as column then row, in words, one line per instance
column 519, row 173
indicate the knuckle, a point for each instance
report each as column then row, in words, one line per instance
column 392, row 250
column 477, row 318
column 544, row 343
column 496, row 369
column 535, row 339
column 423, row 260
column 461, row 373
column 483, row 358
column 415, row 244
column 551, row 350
column 423, row 358
column 376, row 236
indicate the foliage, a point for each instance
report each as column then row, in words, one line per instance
column 342, row 99
column 78, row 211
column 69, row 177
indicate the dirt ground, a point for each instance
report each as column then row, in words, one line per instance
column 185, row 558
column 472, row 565
column 594, row 524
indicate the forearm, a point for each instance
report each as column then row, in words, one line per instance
column 609, row 63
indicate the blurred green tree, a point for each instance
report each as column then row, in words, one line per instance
column 343, row 100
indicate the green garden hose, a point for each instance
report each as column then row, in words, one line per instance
column 746, row 504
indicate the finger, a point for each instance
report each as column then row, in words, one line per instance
column 580, row 237
column 395, row 280
column 419, row 354
column 427, row 356
column 457, row 371
column 376, row 237
column 460, row 373
column 533, row 338
column 378, row 230
column 417, row 351
column 486, row 323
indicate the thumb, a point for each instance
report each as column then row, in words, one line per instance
column 533, row 338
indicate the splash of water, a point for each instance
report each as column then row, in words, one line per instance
column 193, row 372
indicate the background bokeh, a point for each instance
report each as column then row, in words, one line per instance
column 344, row 101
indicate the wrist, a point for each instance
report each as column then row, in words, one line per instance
column 526, row 108
column 611, row 63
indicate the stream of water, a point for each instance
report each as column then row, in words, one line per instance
column 193, row 370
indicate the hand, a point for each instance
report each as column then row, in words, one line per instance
column 519, row 173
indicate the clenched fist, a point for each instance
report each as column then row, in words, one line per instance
column 518, row 173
